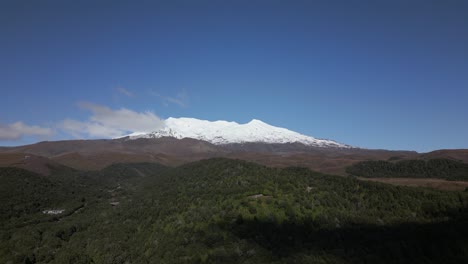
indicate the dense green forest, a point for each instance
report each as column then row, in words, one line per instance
column 225, row 211
column 433, row 168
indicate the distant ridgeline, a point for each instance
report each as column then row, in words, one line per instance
column 433, row 168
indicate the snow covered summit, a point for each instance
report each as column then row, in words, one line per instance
column 223, row 132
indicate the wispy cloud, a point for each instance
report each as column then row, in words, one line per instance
column 103, row 122
column 17, row 130
column 109, row 123
column 180, row 99
column 124, row 91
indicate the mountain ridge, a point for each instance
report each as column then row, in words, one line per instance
column 224, row 132
column 188, row 140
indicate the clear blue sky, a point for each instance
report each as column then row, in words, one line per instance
column 376, row 74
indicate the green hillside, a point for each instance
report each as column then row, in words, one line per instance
column 229, row 211
column 433, row 168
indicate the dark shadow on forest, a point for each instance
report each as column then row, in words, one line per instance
column 441, row 242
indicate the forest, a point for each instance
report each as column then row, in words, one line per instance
column 224, row 211
column 432, row 168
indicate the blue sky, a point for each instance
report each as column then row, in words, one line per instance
column 375, row 74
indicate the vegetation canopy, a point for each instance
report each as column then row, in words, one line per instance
column 432, row 168
column 224, row 211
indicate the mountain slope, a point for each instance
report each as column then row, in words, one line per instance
column 223, row 132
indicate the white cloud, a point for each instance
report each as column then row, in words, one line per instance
column 109, row 123
column 125, row 92
column 80, row 129
column 181, row 98
column 19, row 129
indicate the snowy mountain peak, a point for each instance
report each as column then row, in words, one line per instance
column 224, row 132
column 256, row 121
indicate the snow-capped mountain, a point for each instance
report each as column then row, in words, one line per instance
column 223, row 132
